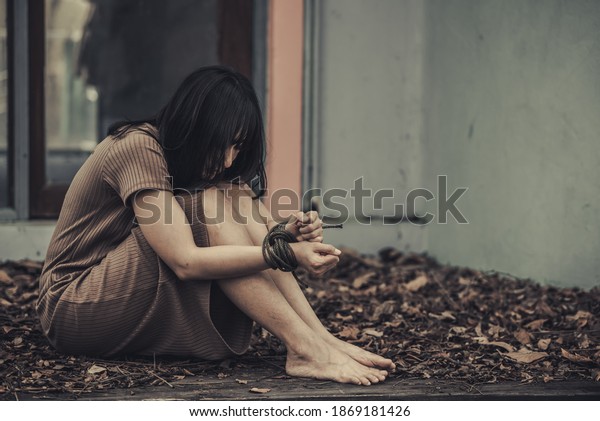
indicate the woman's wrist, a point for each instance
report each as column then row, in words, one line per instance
column 276, row 249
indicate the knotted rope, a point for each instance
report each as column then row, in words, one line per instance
column 277, row 251
column 276, row 247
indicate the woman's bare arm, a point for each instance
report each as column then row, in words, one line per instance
column 168, row 232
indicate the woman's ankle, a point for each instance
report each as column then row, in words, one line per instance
column 305, row 346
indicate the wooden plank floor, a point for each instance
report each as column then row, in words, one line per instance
column 211, row 387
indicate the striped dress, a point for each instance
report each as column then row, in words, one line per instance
column 103, row 289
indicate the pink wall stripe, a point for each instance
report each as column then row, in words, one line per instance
column 284, row 87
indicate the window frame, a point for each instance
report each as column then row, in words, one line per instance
column 17, row 25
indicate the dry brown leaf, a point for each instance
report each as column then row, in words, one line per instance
column 548, row 378
column 523, row 336
column 582, row 323
column 482, row 340
column 464, row 281
column 417, row 283
column 362, row 280
column 96, row 369
column 544, row 343
column 30, row 264
column 596, row 375
column 343, row 318
column 458, row 329
column 349, row 332
column 494, row 331
column 241, row 381
column 17, row 341
column 373, row 332
column 503, row 345
column 387, row 307
column 574, row 357
column 5, row 303
column 584, row 342
column 536, row 324
column 445, row 315
column 28, row 296
column 448, row 315
column 580, row 315
column 4, row 278
column 259, row 390
column 467, row 295
column 526, row 357
column 526, row 377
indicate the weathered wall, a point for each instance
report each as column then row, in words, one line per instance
column 512, row 95
column 503, row 97
column 369, row 110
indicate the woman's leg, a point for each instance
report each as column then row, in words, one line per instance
column 258, row 297
column 257, row 217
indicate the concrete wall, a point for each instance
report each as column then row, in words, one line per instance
column 512, row 95
column 503, row 97
column 25, row 240
column 369, row 110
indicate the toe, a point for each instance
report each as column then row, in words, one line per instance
column 386, row 363
column 381, row 375
column 355, row 380
column 374, row 379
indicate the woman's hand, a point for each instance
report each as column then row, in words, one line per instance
column 306, row 226
column 317, row 258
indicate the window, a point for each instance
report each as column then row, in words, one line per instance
column 90, row 63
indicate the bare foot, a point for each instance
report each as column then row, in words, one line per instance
column 321, row 360
column 358, row 354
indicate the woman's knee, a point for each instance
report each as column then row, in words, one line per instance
column 222, row 219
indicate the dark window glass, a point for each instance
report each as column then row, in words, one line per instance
column 108, row 60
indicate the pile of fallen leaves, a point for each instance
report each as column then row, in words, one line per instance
column 448, row 322
column 434, row 321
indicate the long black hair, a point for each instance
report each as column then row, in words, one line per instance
column 214, row 108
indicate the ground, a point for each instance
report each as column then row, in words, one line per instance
column 454, row 333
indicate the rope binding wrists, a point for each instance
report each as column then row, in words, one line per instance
column 277, row 251
column 276, row 247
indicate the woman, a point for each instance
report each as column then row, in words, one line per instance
column 139, row 263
